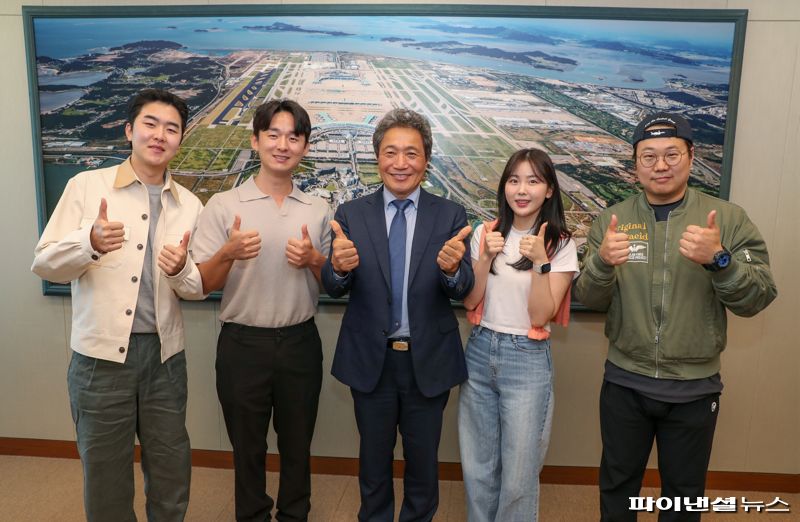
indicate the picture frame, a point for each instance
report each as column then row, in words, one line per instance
column 491, row 79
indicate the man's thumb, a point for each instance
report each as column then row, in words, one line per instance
column 337, row 230
column 612, row 226
column 185, row 241
column 463, row 233
column 237, row 223
column 711, row 221
column 304, row 230
column 103, row 212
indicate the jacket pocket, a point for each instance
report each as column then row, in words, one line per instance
column 697, row 339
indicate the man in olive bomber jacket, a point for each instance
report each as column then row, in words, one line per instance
column 665, row 265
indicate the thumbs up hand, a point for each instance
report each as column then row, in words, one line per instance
column 172, row 258
column 615, row 247
column 699, row 244
column 300, row 252
column 106, row 236
column 344, row 256
column 533, row 247
column 453, row 251
column 493, row 244
column 241, row 244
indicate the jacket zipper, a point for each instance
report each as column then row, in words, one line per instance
column 663, row 292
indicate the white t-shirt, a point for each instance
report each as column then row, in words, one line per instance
column 505, row 304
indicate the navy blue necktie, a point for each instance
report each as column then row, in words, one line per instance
column 397, row 259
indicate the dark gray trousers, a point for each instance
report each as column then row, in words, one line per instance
column 111, row 403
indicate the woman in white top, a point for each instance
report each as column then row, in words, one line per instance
column 524, row 264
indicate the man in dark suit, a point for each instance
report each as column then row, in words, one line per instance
column 401, row 255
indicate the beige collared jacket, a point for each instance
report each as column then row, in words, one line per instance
column 105, row 287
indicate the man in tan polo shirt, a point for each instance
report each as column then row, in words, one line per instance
column 263, row 243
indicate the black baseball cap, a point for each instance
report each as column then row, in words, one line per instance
column 680, row 127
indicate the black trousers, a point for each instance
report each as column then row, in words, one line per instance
column 396, row 402
column 684, row 433
column 261, row 371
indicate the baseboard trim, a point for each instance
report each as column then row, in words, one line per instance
column 575, row 475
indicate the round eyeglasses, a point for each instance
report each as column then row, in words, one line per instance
column 671, row 158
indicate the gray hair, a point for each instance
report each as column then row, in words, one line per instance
column 404, row 118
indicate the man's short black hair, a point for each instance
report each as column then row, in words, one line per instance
column 146, row 96
column 266, row 111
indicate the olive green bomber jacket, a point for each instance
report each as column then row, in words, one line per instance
column 666, row 314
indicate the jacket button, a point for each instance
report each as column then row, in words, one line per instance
column 128, row 311
column 139, row 246
column 121, row 349
column 134, row 279
column 144, row 217
column 95, row 257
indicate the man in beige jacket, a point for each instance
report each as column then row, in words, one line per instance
column 120, row 236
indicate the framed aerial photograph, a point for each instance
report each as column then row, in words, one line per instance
column 491, row 79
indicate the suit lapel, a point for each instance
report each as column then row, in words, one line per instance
column 376, row 225
column 426, row 220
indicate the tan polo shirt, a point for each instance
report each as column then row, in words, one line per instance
column 265, row 291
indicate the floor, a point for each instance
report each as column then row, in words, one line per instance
column 43, row 490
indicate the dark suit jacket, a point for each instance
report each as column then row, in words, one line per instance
column 436, row 350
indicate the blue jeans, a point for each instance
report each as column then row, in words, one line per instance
column 111, row 403
column 504, row 420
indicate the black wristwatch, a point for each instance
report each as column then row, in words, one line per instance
column 721, row 261
column 541, row 269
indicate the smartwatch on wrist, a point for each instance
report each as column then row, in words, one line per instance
column 721, row 261
column 541, row 269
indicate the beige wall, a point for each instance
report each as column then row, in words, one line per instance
column 758, row 423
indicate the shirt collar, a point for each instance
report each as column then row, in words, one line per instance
column 249, row 191
column 126, row 176
column 388, row 197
